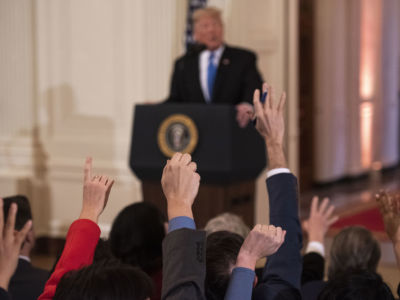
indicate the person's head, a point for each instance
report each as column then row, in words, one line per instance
column 357, row 285
column 222, row 250
column 208, row 28
column 136, row 236
column 353, row 248
column 105, row 281
column 227, row 222
column 24, row 214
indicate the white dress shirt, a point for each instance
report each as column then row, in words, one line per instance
column 203, row 67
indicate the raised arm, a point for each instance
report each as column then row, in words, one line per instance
column 282, row 272
column 183, row 247
column 316, row 226
column 10, row 244
column 262, row 241
column 84, row 233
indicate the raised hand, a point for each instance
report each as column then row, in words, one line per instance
column 389, row 206
column 320, row 219
column 270, row 122
column 96, row 190
column 262, row 241
column 180, row 184
column 10, row 243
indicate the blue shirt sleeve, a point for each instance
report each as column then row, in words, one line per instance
column 240, row 285
column 181, row 222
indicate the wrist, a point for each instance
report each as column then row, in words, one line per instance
column 276, row 156
column 316, row 238
column 245, row 260
column 89, row 215
column 179, row 211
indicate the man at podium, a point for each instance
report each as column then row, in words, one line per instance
column 213, row 72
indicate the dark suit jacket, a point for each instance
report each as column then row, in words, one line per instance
column 184, row 265
column 237, row 78
column 27, row 282
column 4, row 295
column 282, row 272
column 313, row 267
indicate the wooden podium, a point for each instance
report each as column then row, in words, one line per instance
column 228, row 158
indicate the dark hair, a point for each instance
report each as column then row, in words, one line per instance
column 24, row 213
column 356, row 285
column 221, row 254
column 353, row 248
column 104, row 281
column 137, row 234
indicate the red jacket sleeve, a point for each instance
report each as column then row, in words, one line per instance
column 79, row 248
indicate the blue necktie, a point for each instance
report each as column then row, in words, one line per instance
column 211, row 72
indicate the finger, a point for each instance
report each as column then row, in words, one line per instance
column 282, row 102
column 271, row 97
column 332, row 220
column 193, row 166
column 283, row 236
column 329, row 211
column 1, row 218
column 109, row 184
column 10, row 224
column 87, row 170
column 23, row 232
column 314, row 205
column 186, row 159
column 256, row 103
column 324, row 205
column 279, row 232
column 176, row 157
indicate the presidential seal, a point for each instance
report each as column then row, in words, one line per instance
column 177, row 133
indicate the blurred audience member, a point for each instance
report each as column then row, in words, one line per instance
column 227, row 222
column 316, row 226
column 222, row 250
column 11, row 241
column 136, row 239
column 28, row 281
column 356, row 285
column 353, row 249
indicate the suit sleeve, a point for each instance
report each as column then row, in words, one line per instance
column 184, row 265
column 313, row 267
column 176, row 81
column 251, row 80
column 82, row 238
column 282, row 272
column 4, row 295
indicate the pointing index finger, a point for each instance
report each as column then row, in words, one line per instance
column 87, row 171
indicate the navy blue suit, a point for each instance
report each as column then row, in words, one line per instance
column 236, row 79
column 28, row 281
column 282, row 273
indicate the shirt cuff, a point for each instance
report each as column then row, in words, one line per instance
column 181, row 222
column 317, row 247
column 276, row 171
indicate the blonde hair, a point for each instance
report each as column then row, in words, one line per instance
column 209, row 11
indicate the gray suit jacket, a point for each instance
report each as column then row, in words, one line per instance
column 184, row 265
